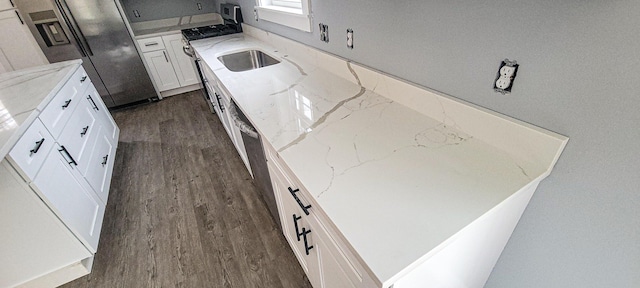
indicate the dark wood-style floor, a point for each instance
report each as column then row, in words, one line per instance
column 183, row 211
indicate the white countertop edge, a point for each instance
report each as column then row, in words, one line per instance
column 33, row 115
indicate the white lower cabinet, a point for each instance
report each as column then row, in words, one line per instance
column 319, row 254
column 69, row 196
column 63, row 163
column 169, row 67
column 98, row 172
column 336, row 270
column 183, row 65
column 33, row 239
column 161, row 70
column 222, row 105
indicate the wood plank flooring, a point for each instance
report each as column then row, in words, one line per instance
column 183, row 211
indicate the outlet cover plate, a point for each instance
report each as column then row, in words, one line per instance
column 506, row 75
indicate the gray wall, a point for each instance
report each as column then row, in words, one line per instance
column 579, row 76
column 162, row 9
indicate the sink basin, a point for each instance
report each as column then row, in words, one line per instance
column 247, row 60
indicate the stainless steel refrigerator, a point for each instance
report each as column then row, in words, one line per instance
column 95, row 31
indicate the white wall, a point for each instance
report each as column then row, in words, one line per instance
column 579, row 76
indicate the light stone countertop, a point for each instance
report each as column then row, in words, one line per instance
column 24, row 94
column 396, row 183
column 168, row 26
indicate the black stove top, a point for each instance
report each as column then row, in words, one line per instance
column 210, row 31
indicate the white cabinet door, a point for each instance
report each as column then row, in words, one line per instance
column 295, row 227
column 67, row 193
column 239, row 144
column 162, row 70
column 109, row 127
column 183, row 65
column 335, row 269
column 100, row 166
column 18, row 48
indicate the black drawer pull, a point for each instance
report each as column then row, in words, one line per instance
column 38, row 145
column 66, row 104
column 219, row 104
column 19, row 18
column 295, row 223
column 104, row 160
column 72, row 161
column 306, row 244
column 84, row 131
column 304, row 208
column 95, row 107
column 83, row 79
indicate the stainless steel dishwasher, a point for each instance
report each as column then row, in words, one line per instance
column 257, row 159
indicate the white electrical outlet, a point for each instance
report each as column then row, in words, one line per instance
column 350, row 38
column 503, row 82
column 507, row 71
column 505, row 77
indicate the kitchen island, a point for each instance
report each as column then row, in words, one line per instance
column 416, row 187
column 57, row 151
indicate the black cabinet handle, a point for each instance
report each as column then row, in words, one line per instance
column 72, row 161
column 219, row 104
column 83, row 79
column 19, row 18
column 295, row 223
column 38, row 145
column 304, row 208
column 66, row 104
column 12, row 5
column 84, row 131
column 307, row 248
column 95, row 107
column 104, row 160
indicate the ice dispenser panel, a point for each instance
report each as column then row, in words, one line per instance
column 49, row 27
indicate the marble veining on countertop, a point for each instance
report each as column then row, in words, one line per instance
column 395, row 182
column 171, row 25
column 24, row 93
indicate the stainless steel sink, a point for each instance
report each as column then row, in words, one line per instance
column 247, row 60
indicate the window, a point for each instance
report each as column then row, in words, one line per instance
column 292, row 13
column 287, row 3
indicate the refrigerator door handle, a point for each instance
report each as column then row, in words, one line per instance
column 83, row 45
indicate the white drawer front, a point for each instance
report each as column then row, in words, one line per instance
column 32, row 149
column 59, row 110
column 80, row 134
column 151, row 44
column 100, row 166
column 102, row 114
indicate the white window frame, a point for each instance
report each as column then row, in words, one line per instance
column 280, row 12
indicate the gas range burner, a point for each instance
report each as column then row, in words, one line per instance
column 209, row 31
